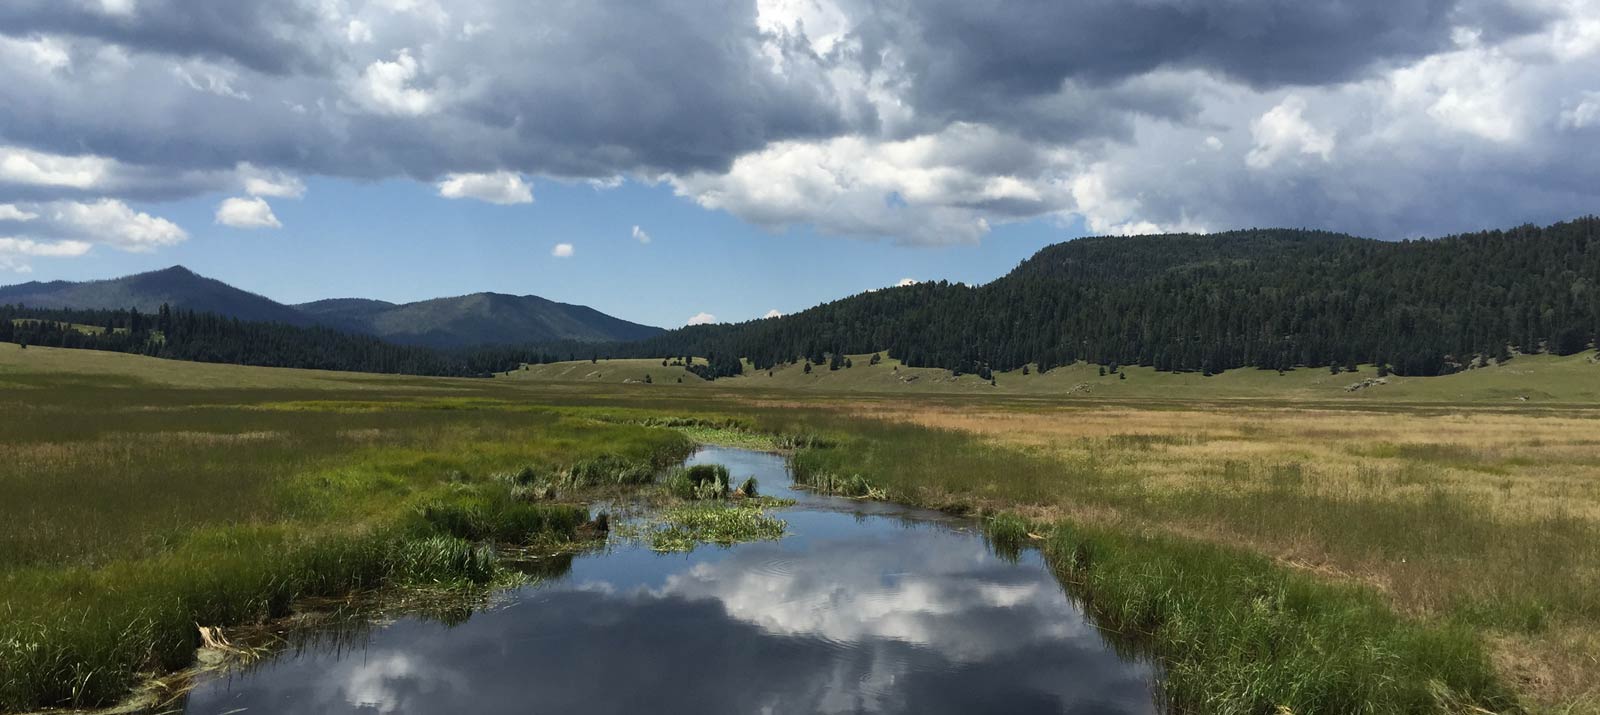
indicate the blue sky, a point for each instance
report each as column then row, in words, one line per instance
column 779, row 152
column 398, row 240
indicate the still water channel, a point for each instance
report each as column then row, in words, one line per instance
column 862, row 607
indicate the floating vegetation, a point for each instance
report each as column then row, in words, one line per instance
column 681, row 528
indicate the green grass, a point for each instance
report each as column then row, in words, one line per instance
column 130, row 514
column 1239, row 634
column 1538, row 379
column 1229, row 526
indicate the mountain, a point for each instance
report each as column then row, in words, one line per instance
column 1266, row 298
column 176, row 286
column 476, row 319
column 464, row 321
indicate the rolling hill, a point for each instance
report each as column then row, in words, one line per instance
column 476, row 319
column 1266, row 298
column 464, row 321
column 175, row 286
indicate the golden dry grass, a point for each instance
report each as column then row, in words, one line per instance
column 1492, row 517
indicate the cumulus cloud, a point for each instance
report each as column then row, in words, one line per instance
column 640, row 235
column 277, row 184
column 113, row 223
column 562, row 250
column 701, row 318
column 246, row 213
column 906, row 282
column 385, row 87
column 501, row 187
column 774, row 313
column 15, row 251
column 67, row 229
column 1583, row 115
column 23, row 166
column 922, row 122
column 1283, row 131
column 28, row 247
column 11, row 212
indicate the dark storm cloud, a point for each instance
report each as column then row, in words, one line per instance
column 618, row 85
column 1011, row 61
column 1131, row 114
column 278, row 36
column 581, row 89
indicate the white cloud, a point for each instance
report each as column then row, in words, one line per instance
column 500, row 187
column 358, row 32
column 120, row 8
column 1283, row 131
column 112, row 222
column 1213, row 143
column 931, row 189
column 770, row 314
column 562, row 250
column 46, row 53
column 640, row 236
column 906, row 282
column 25, row 166
column 277, row 184
column 384, row 87
column 1584, row 115
column 54, row 249
column 202, row 77
column 11, row 212
column 14, row 251
column 1475, row 90
column 702, row 318
column 247, row 213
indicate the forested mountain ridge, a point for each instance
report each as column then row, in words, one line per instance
column 147, row 292
column 478, row 319
column 179, row 334
column 475, row 319
column 1267, row 298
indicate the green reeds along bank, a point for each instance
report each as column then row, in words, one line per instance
column 227, row 516
column 1236, row 633
column 89, row 635
column 99, row 632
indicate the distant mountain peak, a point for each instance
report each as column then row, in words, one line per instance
column 484, row 318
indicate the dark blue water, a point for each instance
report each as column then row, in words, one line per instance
column 863, row 607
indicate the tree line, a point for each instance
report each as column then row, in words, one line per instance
column 1265, row 298
column 208, row 337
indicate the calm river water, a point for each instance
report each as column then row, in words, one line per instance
column 863, row 607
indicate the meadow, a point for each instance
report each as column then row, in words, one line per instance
column 1281, row 542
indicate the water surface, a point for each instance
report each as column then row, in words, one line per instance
column 863, row 607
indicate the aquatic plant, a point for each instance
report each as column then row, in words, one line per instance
column 683, row 527
column 699, row 482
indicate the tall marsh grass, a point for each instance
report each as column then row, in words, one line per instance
column 128, row 519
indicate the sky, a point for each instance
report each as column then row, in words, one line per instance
column 671, row 162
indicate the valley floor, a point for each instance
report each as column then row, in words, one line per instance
column 1440, row 533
